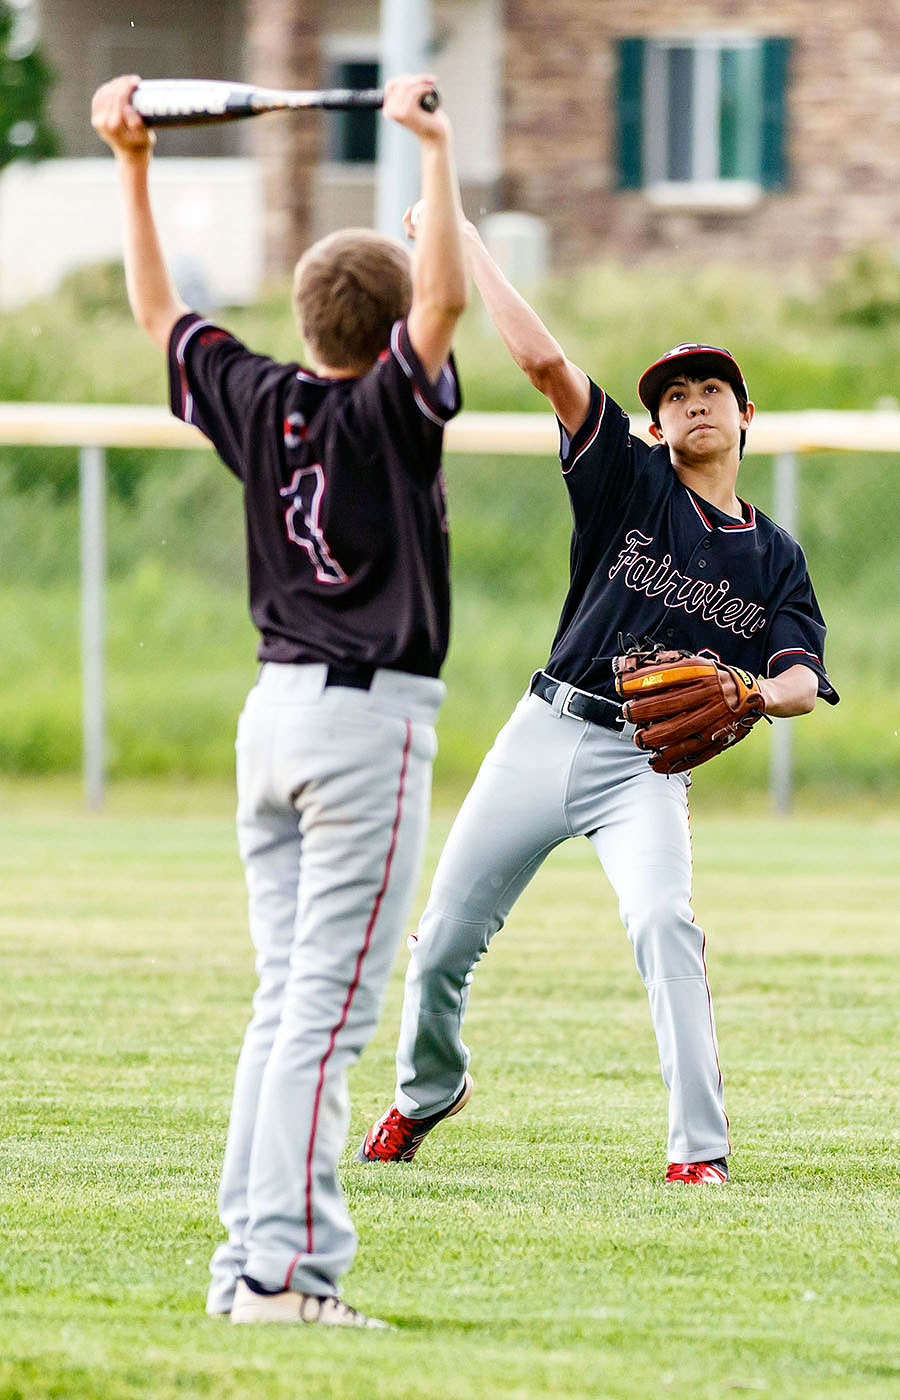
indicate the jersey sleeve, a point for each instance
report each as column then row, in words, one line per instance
column 215, row 382
column 598, row 463
column 796, row 636
column 397, row 398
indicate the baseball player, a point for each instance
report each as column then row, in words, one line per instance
column 662, row 547
column 348, row 570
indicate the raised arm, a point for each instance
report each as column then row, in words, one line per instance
column 440, row 281
column 154, row 301
column 531, row 345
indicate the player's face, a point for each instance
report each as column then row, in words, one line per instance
column 700, row 418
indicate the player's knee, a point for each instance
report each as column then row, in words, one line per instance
column 666, row 941
column 441, row 964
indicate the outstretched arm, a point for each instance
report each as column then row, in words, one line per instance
column 440, row 282
column 154, row 301
column 529, row 342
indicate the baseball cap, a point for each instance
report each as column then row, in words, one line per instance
column 696, row 360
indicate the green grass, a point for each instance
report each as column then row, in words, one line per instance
column 531, row 1251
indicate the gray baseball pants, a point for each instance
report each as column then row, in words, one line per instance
column 550, row 776
column 334, row 788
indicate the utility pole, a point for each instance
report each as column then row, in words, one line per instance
column 405, row 39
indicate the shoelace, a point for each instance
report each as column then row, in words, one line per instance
column 312, row 1308
column 394, row 1131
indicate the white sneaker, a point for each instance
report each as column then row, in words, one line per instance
column 249, row 1306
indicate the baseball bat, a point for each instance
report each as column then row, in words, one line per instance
column 200, row 101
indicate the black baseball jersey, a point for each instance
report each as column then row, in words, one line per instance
column 346, row 523
column 650, row 558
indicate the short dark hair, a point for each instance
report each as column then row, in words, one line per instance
column 349, row 289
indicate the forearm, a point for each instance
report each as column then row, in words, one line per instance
column 440, row 279
column 527, row 339
column 523, row 332
column 792, row 693
column 154, row 300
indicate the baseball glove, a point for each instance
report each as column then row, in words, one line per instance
column 683, row 705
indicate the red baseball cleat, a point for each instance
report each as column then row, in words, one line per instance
column 396, row 1138
column 698, row 1173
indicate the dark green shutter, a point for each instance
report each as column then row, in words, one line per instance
column 776, row 55
column 629, row 155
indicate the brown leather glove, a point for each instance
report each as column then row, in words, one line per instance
column 686, row 708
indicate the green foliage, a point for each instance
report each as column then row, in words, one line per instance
column 26, row 132
column 865, row 288
column 531, row 1251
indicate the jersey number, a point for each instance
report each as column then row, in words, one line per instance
column 306, row 489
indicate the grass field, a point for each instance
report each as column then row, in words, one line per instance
column 531, row 1250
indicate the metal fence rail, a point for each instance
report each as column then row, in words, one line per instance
column 94, row 427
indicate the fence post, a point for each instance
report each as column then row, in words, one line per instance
column 92, row 477
column 781, row 784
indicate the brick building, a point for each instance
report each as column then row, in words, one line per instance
column 746, row 130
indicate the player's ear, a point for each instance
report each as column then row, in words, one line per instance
column 747, row 415
column 656, row 432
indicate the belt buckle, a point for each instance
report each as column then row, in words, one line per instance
column 566, row 709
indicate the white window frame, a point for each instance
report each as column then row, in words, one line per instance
column 705, row 188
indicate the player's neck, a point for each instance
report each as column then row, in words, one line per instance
column 339, row 372
column 715, row 483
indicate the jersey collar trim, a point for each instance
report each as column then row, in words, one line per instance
column 748, row 524
column 306, row 376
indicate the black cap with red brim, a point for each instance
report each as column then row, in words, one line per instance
column 697, row 361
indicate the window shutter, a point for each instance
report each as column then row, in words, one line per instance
column 776, row 54
column 629, row 155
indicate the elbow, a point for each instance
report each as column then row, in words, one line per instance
column 147, row 322
column 158, row 323
column 456, row 300
column 444, row 306
column 809, row 694
column 457, row 305
column 804, row 702
column 443, row 315
column 543, row 368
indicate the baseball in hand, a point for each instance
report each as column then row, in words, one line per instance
column 416, row 214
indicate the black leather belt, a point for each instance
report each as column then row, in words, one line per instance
column 580, row 704
column 354, row 677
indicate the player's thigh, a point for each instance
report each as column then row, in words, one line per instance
column 364, row 824
column 644, row 844
column 270, row 845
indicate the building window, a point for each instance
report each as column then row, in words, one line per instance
column 351, row 136
column 702, row 119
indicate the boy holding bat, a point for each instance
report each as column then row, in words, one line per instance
column 348, row 571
